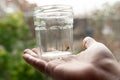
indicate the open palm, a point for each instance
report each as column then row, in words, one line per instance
column 96, row 62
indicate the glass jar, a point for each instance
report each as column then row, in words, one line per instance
column 54, row 29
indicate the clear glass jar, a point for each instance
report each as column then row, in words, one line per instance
column 54, row 29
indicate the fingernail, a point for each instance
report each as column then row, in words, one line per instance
column 26, row 50
column 88, row 41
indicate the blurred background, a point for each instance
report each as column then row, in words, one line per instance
column 99, row 19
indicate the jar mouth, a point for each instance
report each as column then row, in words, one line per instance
column 53, row 8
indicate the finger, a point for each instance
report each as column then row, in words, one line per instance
column 28, row 51
column 35, row 62
column 36, row 50
column 52, row 49
column 96, row 49
column 88, row 41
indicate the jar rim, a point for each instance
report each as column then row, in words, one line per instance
column 58, row 7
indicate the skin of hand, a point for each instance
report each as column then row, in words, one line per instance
column 96, row 62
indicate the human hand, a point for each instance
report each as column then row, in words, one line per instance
column 96, row 62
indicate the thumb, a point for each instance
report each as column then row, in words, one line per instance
column 88, row 41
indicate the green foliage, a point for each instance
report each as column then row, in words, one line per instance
column 15, row 36
column 13, row 67
column 3, row 64
column 12, row 29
